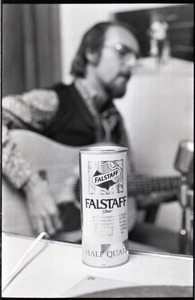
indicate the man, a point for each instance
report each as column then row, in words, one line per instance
column 80, row 114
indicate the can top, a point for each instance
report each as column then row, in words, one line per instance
column 103, row 149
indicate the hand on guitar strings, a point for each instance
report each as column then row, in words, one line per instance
column 43, row 211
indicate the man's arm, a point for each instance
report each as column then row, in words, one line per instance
column 32, row 110
column 43, row 211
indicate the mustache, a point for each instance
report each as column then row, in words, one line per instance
column 126, row 73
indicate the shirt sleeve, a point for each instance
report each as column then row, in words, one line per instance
column 34, row 110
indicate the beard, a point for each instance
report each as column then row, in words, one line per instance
column 117, row 88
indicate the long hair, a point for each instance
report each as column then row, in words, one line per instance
column 93, row 41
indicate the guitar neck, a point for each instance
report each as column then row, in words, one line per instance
column 146, row 185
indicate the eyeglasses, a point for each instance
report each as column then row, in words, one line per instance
column 124, row 52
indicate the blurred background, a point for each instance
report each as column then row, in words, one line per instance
column 40, row 40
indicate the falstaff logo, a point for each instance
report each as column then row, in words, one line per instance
column 106, row 203
column 106, row 180
column 107, row 175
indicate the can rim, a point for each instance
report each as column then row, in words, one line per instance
column 105, row 149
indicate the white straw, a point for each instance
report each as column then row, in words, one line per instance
column 12, row 274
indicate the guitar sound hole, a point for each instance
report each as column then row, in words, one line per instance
column 70, row 216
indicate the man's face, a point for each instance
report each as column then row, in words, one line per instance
column 116, row 61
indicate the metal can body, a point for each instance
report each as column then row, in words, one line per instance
column 104, row 206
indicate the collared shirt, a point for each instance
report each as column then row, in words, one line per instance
column 105, row 121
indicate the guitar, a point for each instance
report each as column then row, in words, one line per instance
column 59, row 164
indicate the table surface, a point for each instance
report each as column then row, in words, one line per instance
column 55, row 269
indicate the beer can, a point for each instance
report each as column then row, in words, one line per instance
column 103, row 186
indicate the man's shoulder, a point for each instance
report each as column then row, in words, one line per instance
column 60, row 86
column 66, row 93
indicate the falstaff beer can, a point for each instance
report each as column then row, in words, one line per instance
column 104, row 206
